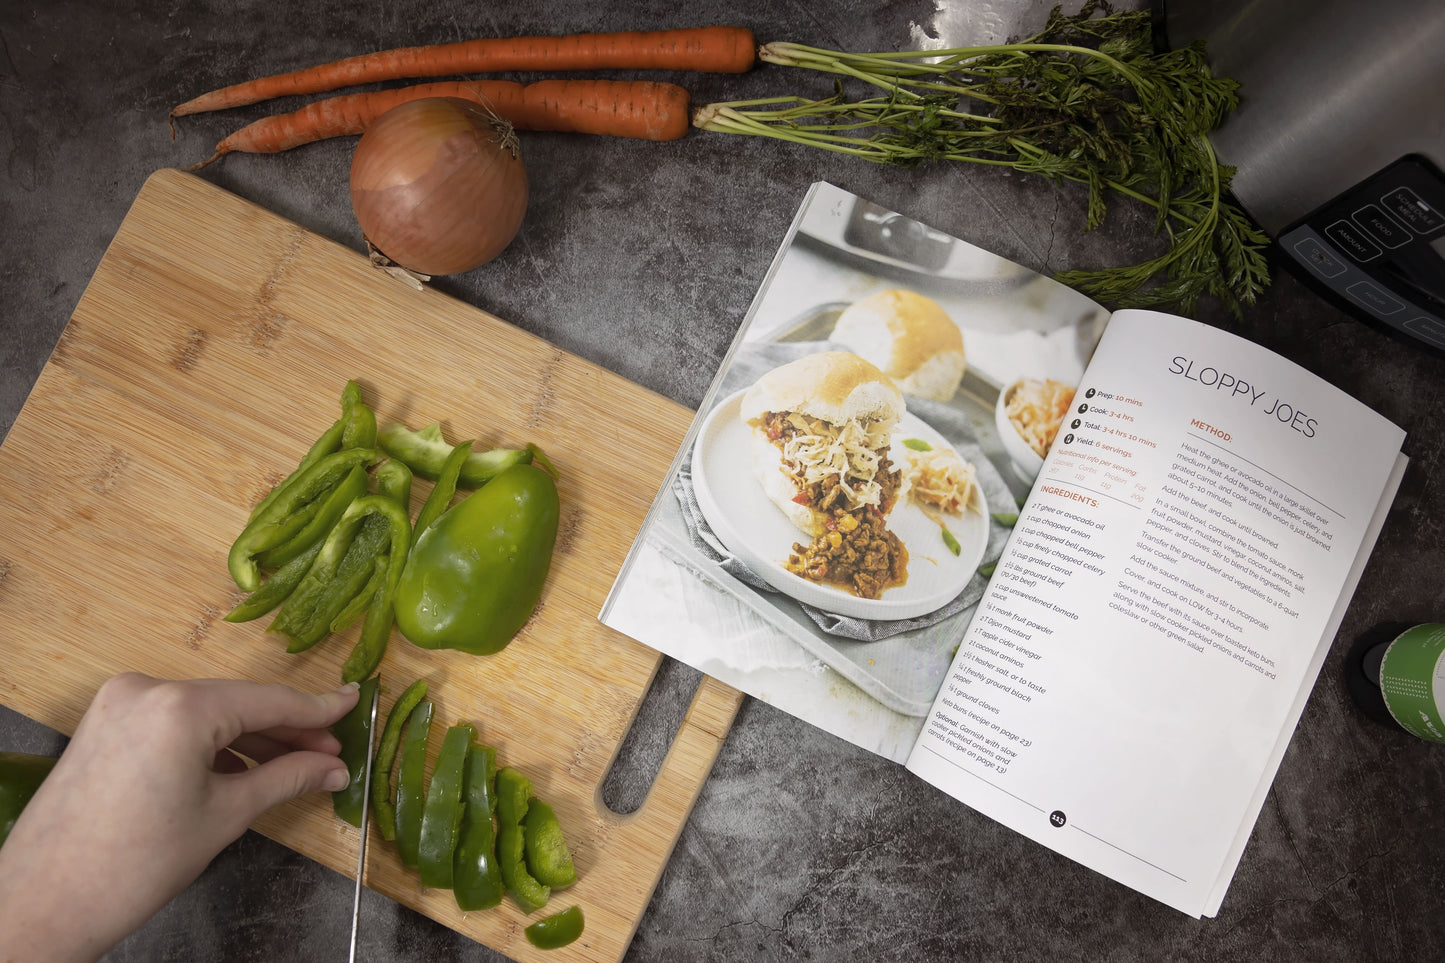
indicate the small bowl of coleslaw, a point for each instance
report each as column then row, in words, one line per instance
column 1028, row 415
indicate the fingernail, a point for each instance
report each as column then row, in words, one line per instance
column 336, row 780
column 349, row 687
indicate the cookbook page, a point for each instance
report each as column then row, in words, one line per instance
column 713, row 578
column 1158, row 615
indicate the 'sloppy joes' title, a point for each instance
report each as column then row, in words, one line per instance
column 1258, row 398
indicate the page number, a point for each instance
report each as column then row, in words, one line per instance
column 1057, row 819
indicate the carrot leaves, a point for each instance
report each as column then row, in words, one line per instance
column 1087, row 100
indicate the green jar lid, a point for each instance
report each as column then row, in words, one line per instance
column 1412, row 680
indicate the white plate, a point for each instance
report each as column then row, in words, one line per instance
column 754, row 530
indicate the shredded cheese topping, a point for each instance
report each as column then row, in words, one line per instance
column 852, row 451
column 940, row 478
column 1036, row 409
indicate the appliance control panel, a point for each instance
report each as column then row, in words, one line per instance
column 1380, row 247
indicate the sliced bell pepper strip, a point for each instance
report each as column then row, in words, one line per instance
column 441, row 819
column 328, row 443
column 321, row 517
column 548, row 858
column 366, row 655
column 341, row 571
column 361, row 602
column 353, row 731
column 343, row 568
column 381, row 798
column 393, row 479
column 280, row 521
column 439, row 499
column 358, row 420
column 513, row 791
column 476, row 880
column 20, row 775
column 556, row 930
column 426, row 451
column 411, row 784
column 276, row 589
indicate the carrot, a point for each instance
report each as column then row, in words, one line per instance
column 708, row 49
column 621, row 108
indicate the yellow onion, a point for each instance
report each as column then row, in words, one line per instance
column 438, row 185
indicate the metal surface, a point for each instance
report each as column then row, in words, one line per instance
column 1331, row 92
column 365, row 821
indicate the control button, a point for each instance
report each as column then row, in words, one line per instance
column 1351, row 241
column 1319, row 258
column 1376, row 298
column 1380, row 227
column 1427, row 329
column 1407, row 206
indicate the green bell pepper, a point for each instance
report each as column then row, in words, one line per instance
column 425, row 452
column 358, row 421
column 411, row 785
column 353, row 731
column 513, row 792
column 321, row 517
column 441, row 819
column 276, row 589
column 20, row 775
column 283, row 518
column 556, row 930
column 381, row 797
column 439, row 499
column 393, row 480
column 329, row 443
column 343, row 569
column 476, row 880
column 548, row 858
column 476, row 574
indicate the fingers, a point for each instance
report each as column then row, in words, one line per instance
column 246, row 707
column 281, row 779
column 265, row 746
column 317, row 740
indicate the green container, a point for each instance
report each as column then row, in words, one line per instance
column 1412, row 680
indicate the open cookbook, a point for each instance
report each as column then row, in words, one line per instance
column 1077, row 570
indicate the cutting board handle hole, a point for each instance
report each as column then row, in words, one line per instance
column 659, row 716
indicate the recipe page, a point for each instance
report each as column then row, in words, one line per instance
column 1155, row 618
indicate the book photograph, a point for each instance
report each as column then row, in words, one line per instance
column 856, row 469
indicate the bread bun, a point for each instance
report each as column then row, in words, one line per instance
column 909, row 337
column 835, row 386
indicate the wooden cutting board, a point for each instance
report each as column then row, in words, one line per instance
column 207, row 353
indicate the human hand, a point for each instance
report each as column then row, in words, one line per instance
column 144, row 797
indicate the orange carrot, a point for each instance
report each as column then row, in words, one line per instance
column 708, row 49
column 621, row 108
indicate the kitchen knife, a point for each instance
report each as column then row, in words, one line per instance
column 365, row 822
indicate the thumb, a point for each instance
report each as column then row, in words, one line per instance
column 284, row 778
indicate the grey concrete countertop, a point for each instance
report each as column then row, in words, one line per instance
column 643, row 258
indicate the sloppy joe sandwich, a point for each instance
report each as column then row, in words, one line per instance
column 821, row 429
column 909, row 337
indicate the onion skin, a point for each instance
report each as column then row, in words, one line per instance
column 438, row 185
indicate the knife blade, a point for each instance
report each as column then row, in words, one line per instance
column 365, row 823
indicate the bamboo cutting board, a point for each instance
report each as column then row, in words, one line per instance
column 207, row 353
